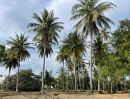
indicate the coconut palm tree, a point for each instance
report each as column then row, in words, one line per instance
column 61, row 75
column 90, row 14
column 74, row 47
column 19, row 50
column 69, row 70
column 9, row 63
column 99, row 49
column 81, row 66
column 61, row 57
column 46, row 29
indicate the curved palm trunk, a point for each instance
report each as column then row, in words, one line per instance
column 91, row 86
column 43, row 70
column 17, row 83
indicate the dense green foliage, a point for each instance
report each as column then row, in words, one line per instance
column 92, row 19
column 74, row 47
column 27, row 81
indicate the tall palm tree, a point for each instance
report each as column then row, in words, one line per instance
column 46, row 28
column 19, row 50
column 99, row 49
column 91, row 18
column 74, row 47
column 61, row 57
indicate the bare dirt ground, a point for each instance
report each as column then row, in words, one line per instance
column 66, row 96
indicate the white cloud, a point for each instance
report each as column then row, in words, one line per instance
column 62, row 9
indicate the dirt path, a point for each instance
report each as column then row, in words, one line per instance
column 71, row 96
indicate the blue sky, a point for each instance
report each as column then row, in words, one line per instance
column 16, row 14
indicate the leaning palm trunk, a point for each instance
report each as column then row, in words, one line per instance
column 91, row 86
column 17, row 83
column 43, row 70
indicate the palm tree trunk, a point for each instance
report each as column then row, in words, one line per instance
column 125, row 85
column 17, row 83
column 117, row 87
column 98, row 84
column 79, row 76
column 8, row 79
column 103, row 86
column 1, row 80
column 80, row 82
column 121, row 86
column 91, row 85
column 75, row 79
column 99, row 80
column 72, row 87
column 43, row 70
column 83, row 82
column 67, row 80
column 63, row 86
column 111, row 87
column 75, row 73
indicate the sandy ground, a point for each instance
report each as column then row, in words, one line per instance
column 65, row 96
